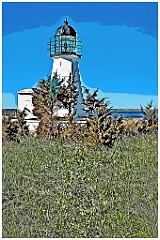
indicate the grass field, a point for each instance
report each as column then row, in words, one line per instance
column 54, row 189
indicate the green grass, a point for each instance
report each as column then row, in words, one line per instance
column 54, row 189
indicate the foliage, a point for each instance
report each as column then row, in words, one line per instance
column 54, row 85
column 68, row 97
column 131, row 126
column 95, row 107
column 55, row 189
column 76, row 132
column 43, row 103
column 150, row 112
column 48, row 98
column 14, row 129
column 101, row 128
column 151, row 117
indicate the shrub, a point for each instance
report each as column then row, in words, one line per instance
column 14, row 129
column 131, row 126
column 151, row 117
column 43, row 107
column 102, row 129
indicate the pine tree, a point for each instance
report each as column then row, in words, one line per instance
column 55, row 85
column 68, row 96
column 43, row 107
column 102, row 129
column 151, row 117
column 94, row 106
column 50, row 96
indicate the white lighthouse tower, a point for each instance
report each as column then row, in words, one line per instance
column 66, row 49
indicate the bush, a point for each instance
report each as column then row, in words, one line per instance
column 14, row 129
column 151, row 117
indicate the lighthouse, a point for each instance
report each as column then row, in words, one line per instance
column 65, row 49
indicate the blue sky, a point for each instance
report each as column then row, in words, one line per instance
column 119, row 48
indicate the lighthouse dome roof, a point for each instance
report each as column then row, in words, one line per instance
column 66, row 30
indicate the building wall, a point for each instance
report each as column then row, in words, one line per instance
column 63, row 67
column 32, row 124
column 25, row 100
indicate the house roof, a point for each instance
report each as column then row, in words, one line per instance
column 25, row 91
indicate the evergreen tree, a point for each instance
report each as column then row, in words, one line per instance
column 55, row 85
column 51, row 95
column 68, row 96
column 43, row 107
column 151, row 117
column 94, row 106
column 102, row 129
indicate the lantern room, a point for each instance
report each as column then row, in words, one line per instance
column 65, row 42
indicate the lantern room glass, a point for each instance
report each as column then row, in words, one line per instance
column 63, row 44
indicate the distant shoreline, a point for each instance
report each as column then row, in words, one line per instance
column 125, row 110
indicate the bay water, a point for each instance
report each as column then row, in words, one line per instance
column 127, row 114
